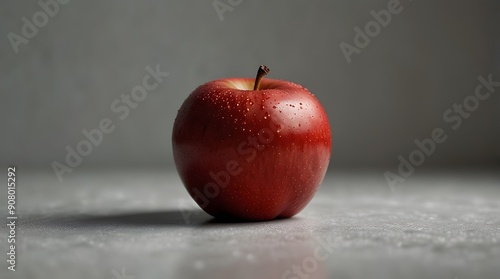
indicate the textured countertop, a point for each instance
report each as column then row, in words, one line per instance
column 143, row 224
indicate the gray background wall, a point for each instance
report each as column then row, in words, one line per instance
column 395, row 91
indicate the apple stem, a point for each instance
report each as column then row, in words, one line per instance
column 263, row 70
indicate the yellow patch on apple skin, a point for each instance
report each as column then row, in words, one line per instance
column 248, row 84
column 240, row 84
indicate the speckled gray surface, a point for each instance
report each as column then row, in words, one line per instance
column 125, row 224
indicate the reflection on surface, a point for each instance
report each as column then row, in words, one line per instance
column 275, row 249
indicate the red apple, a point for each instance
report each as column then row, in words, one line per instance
column 254, row 149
